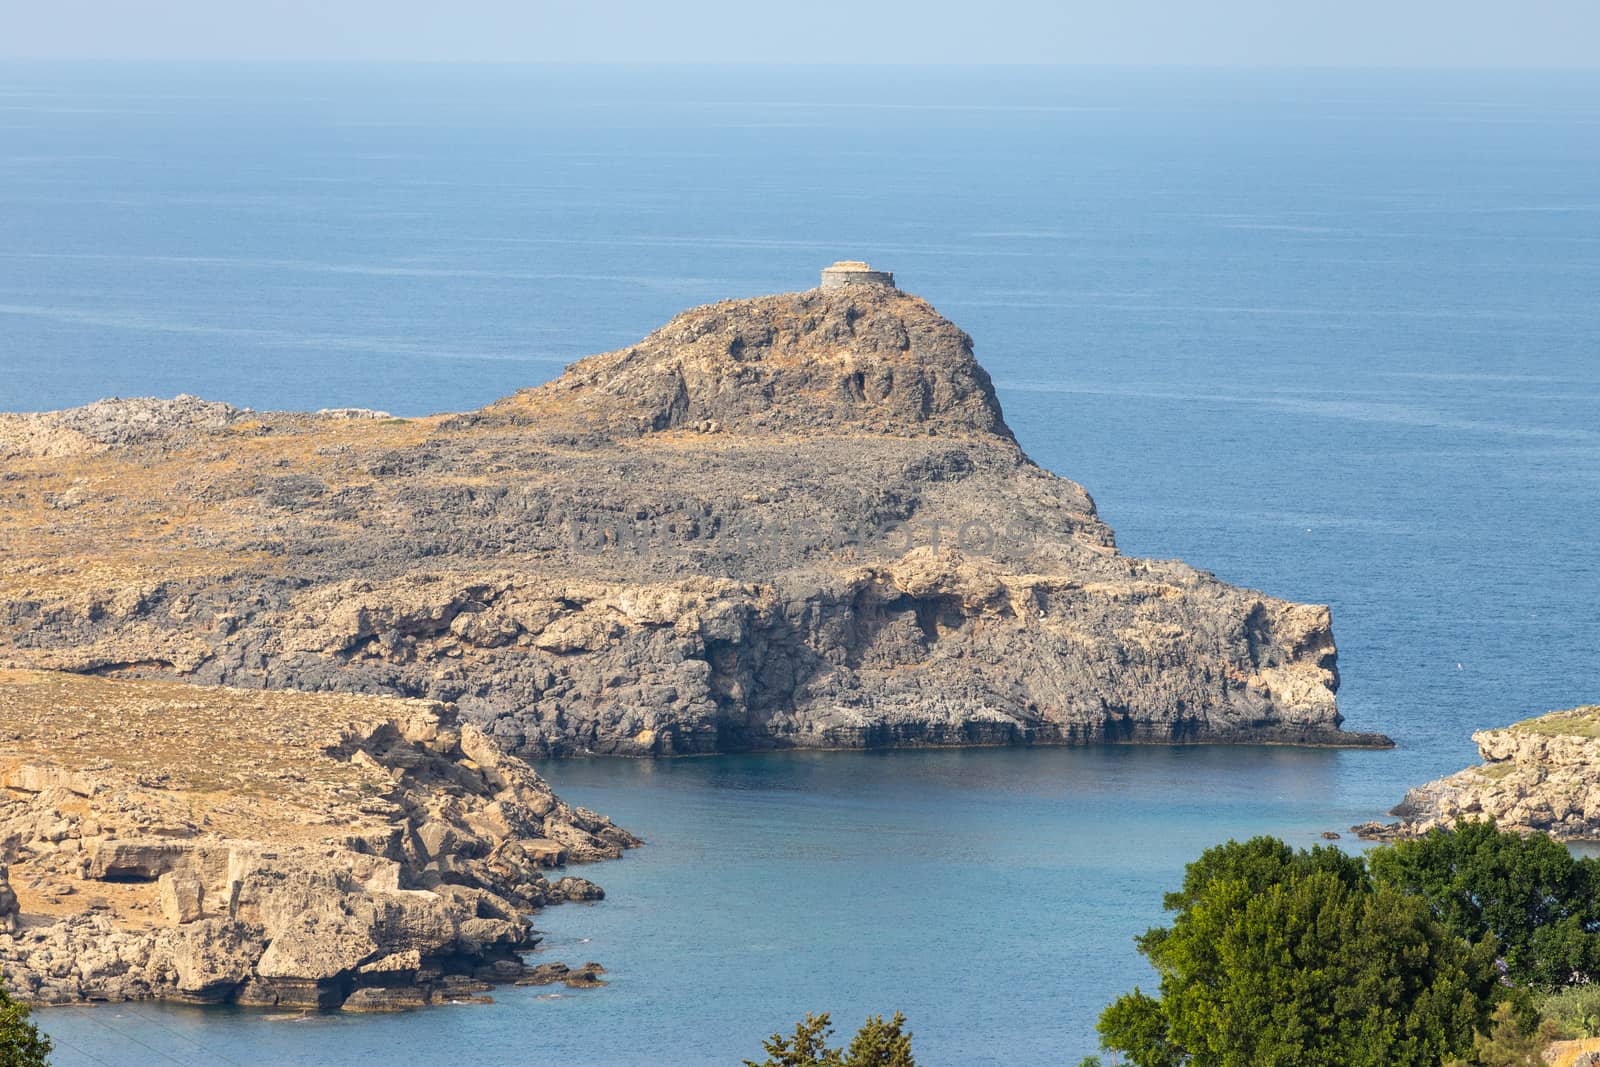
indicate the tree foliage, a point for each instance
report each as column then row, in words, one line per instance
column 876, row 1044
column 1540, row 902
column 21, row 1043
column 1510, row 1042
column 1278, row 958
column 881, row 1044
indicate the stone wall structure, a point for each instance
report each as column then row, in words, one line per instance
column 848, row 272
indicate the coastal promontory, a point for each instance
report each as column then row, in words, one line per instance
column 160, row 840
column 1541, row 775
column 791, row 521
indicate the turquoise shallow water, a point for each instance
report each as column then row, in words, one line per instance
column 1332, row 335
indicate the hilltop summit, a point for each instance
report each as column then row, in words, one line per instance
column 851, row 359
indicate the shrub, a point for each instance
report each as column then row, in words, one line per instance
column 1573, row 1011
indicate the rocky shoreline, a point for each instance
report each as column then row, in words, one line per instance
column 288, row 850
column 269, row 678
column 792, row 521
column 1539, row 775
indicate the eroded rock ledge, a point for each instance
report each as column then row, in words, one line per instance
column 1540, row 775
column 792, row 521
column 162, row 840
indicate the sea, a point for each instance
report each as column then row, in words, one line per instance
column 1332, row 334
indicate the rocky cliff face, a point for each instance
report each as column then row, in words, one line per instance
column 799, row 520
column 162, row 840
column 1539, row 775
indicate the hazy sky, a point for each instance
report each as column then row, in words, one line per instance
column 1229, row 32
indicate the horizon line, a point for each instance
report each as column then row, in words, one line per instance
column 685, row 64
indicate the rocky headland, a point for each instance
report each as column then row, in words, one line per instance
column 273, row 849
column 1541, row 775
column 798, row 520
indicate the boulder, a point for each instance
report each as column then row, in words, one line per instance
column 304, row 994
column 376, row 999
column 585, row 977
column 572, row 888
column 396, row 965
column 317, row 945
column 181, row 894
column 39, row 777
column 208, row 959
column 545, row 974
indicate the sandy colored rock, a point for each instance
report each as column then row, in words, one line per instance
column 182, row 895
column 1539, row 775
column 275, row 849
column 572, row 888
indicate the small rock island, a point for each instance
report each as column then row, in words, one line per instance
column 791, row 521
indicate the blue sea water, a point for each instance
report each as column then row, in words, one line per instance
column 1330, row 334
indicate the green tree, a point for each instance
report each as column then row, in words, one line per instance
column 1278, row 958
column 806, row 1046
column 1540, row 902
column 1259, row 863
column 1509, row 1043
column 881, row 1044
column 1135, row 1023
column 21, row 1043
column 876, row 1044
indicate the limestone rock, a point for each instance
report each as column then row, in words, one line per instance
column 182, row 896
column 860, row 555
column 317, row 945
column 8, row 903
column 206, row 960
column 585, row 977
column 1539, row 775
column 570, row 888
column 335, row 850
column 140, row 860
column 41, row 776
column 545, row 974
column 374, row 999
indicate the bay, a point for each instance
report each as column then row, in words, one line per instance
column 1331, row 334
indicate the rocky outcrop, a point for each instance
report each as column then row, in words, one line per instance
column 284, row 849
column 795, row 521
column 585, row 977
column 9, row 910
column 1541, row 775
